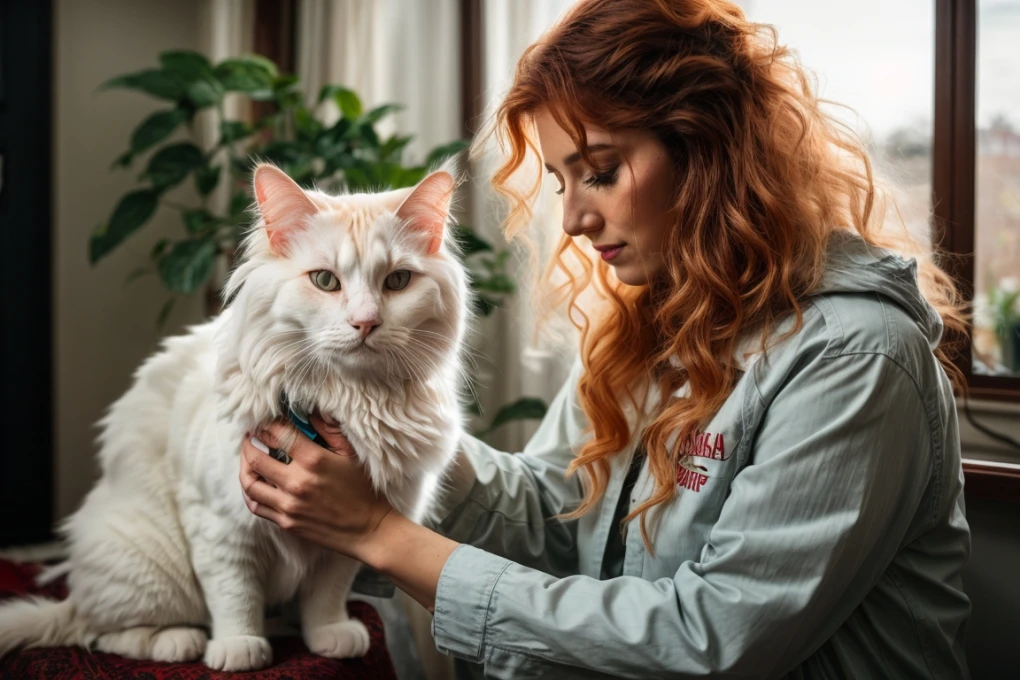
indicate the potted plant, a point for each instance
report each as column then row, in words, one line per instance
column 1004, row 302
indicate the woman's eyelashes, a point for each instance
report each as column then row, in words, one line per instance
column 599, row 180
column 606, row 178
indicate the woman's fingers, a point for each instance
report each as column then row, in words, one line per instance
column 263, row 494
column 256, row 454
column 266, row 512
column 300, row 448
column 332, row 435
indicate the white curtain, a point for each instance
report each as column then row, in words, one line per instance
column 226, row 30
column 521, row 363
column 387, row 51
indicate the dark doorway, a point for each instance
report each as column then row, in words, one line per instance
column 26, row 453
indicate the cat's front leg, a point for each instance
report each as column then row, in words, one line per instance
column 231, row 580
column 325, row 624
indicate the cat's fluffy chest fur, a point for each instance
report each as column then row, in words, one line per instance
column 403, row 431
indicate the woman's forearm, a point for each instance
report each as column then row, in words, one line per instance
column 409, row 554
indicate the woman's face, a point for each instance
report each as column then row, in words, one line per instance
column 622, row 206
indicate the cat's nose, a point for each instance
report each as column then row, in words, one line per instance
column 366, row 326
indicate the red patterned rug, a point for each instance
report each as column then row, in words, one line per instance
column 291, row 659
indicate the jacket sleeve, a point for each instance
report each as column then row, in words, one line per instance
column 838, row 468
column 505, row 503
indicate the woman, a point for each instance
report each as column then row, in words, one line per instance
column 754, row 469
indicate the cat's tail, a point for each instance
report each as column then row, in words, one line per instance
column 39, row 622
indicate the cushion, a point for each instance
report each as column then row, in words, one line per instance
column 291, row 659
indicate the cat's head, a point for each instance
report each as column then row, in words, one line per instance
column 367, row 286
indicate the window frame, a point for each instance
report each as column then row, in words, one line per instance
column 954, row 168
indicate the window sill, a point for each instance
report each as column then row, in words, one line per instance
column 991, row 468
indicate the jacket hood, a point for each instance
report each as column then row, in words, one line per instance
column 854, row 266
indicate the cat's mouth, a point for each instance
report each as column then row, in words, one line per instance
column 361, row 345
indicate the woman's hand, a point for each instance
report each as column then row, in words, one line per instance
column 323, row 495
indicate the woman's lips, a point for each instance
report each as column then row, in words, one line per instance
column 608, row 253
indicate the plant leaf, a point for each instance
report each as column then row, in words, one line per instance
column 187, row 265
column 132, row 212
column 164, row 313
column 470, row 243
column 204, row 93
column 199, row 221
column 525, row 408
column 246, row 74
column 154, row 82
column 391, row 149
column 497, row 283
column 285, row 82
column 305, row 124
column 123, row 161
column 483, row 306
column 156, row 128
column 472, row 406
column 380, row 112
column 233, row 130
column 206, row 178
column 187, row 64
column 239, row 204
column 411, row 176
column 282, row 152
column 159, row 248
column 202, row 88
column 264, row 63
column 171, row 164
column 137, row 274
column 441, row 153
column 347, row 100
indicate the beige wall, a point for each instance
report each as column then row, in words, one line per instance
column 103, row 328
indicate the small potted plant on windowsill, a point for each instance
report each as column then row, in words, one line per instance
column 1004, row 303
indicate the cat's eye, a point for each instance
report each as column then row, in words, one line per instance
column 325, row 280
column 398, row 280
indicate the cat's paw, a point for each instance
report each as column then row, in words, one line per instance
column 178, row 644
column 342, row 640
column 238, row 653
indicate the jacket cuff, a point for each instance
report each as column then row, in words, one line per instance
column 463, row 595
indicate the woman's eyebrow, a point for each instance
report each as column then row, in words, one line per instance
column 576, row 156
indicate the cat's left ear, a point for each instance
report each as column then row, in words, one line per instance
column 283, row 204
column 428, row 206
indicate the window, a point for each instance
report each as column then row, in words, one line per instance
column 996, row 347
column 932, row 87
column 873, row 59
column 976, row 177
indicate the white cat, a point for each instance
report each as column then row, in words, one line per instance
column 353, row 305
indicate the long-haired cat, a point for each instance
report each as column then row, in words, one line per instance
column 353, row 305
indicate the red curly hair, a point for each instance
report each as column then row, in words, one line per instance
column 764, row 177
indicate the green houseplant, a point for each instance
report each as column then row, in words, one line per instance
column 1004, row 301
column 348, row 154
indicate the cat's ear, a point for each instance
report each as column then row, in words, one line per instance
column 428, row 206
column 283, row 204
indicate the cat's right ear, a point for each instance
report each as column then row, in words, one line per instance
column 284, row 206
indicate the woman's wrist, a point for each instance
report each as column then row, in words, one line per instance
column 410, row 555
column 374, row 545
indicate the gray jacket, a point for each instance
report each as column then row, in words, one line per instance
column 818, row 530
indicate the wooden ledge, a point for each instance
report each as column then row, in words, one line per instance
column 992, row 480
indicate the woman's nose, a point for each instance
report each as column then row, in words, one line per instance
column 580, row 219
